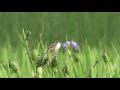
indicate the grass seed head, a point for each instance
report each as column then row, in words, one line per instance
column 105, row 56
column 75, row 58
column 39, row 61
column 28, row 34
column 54, row 62
column 13, row 66
column 65, row 70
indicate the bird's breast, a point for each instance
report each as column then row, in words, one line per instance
column 58, row 46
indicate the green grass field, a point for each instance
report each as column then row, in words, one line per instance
column 93, row 32
column 86, row 63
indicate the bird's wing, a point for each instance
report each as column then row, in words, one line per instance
column 51, row 47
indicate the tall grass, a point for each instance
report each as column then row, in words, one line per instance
column 87, row 63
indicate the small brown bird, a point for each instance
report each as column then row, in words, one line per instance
column 53, row 48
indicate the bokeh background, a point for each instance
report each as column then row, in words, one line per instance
column 95, row 26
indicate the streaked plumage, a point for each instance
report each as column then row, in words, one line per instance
column 54, row 47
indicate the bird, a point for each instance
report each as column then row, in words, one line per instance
column 53, row 48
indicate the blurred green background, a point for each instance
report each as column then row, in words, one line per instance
column 96, row 26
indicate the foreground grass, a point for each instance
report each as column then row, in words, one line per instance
column 86, row 63
column 79, row 65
